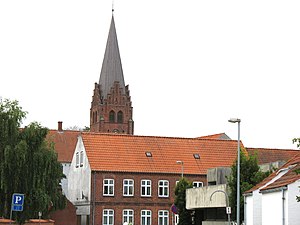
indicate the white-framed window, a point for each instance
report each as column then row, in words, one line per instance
column 81, row 158
column 128, row 187
column 145, row 217
column 163, row 188
column 108, row 217
column 108, row 187
column 197, row 184
column 163, row 217
column 77, row 159
column 146, row 188
column 128, row 216
column 176, row 218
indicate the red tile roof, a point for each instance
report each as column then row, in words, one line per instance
column 265, row 155
column 288, row 178
column 64, row 143
column 127, row 153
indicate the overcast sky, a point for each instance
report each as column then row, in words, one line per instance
column 190, row 65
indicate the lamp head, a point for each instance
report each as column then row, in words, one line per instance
column 179, row 162
column 234, row 120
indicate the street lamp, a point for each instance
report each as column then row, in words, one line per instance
column 236, row 120
column 181, row 162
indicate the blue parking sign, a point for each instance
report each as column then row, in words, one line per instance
column 17, row 202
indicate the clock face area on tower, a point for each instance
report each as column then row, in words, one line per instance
column 111, row 107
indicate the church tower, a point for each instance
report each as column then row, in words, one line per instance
column 111, row 109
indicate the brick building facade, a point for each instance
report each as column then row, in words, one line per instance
column 117, row 178
column 135, row 196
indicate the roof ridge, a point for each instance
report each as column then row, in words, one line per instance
column 148, row 136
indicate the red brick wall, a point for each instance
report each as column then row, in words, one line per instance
column 118, row 202
column 66, row 216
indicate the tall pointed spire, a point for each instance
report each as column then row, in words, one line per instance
column 111, row 67
column 111, row 108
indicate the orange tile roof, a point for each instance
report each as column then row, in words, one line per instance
column 265, row 155
column 64, row 143
column 288, row 178
column 127, row 153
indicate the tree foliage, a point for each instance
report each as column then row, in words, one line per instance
column 28, row 165
column 185, row 217
column 250, row 175
column 297, row 171
column 297, row 141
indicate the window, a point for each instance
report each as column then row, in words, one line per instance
column 112, row 116
column 120, row 117
column 146, row 217
column 148, row 154
column 128, row 216
column 146, row 188
column 81, row 158
column 163, row 188
column 197, row 184
column 108, row 187
column 77, row 159
column 176, row 219
column 108, row 217
column 128, row 185
column 163, row 217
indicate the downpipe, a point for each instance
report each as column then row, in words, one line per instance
column 283, row 206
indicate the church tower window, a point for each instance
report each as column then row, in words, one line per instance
column 111, row 116
column 120, row 117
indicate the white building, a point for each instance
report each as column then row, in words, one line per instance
column 273, row 201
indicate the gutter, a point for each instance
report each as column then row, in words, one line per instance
column 273, row 190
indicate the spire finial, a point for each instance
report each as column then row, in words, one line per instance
column 112, row 7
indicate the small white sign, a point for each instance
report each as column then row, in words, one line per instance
column 228, row 210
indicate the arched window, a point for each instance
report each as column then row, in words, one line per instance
column 96, row 117
column 120, row 117
column 111, row 116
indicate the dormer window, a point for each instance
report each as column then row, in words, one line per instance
column 196, row 156
column 148, row 154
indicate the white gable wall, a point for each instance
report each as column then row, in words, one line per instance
column 253, row 209
column 64, row 181
column 257, row 208
column 272, row 208
column 292, row 205
column 249, row 210
column 79, row 184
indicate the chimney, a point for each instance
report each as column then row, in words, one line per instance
column 59, row 128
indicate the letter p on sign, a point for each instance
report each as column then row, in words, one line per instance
column 18, row 199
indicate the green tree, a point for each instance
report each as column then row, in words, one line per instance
column 297, row 141
column 28, row 165
column 250, row 175
column 185, row 217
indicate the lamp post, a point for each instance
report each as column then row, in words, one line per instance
column 181, row 162
column 236, row 120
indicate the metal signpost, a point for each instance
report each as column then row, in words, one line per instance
column 17, row 203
